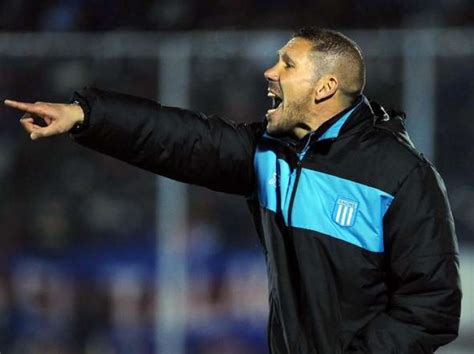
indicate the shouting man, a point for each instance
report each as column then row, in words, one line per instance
column 355, row 223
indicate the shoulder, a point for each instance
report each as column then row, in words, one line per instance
column 393, row 144
column 388, row 157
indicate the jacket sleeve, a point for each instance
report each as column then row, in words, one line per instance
column 180, row 144
column 422, row 272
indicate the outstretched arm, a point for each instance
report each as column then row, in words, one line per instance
column 177, row 143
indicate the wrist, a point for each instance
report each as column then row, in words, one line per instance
column 79, row 117
column 78, row 112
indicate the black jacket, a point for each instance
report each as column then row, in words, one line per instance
column 355, row 224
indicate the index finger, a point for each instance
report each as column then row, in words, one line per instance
column 23, row 106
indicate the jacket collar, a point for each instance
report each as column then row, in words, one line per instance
column 333, row 127
column 335, row 124
column 360, row 116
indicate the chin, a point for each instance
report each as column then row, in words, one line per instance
column 276, row 131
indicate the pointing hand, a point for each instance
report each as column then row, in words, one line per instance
column 59, row 117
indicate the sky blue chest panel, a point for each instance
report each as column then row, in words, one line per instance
column 324, row 203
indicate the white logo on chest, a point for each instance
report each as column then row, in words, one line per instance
column 273, row 180
column 345, row 212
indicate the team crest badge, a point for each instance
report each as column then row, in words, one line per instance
column 345, row 212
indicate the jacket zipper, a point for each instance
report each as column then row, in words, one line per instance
column 301, row 157
column 293, row 192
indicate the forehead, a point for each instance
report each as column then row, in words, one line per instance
column 297, row 47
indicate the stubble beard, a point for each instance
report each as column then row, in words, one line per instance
column 294, row 114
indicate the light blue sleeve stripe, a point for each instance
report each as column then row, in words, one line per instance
column 316, row 205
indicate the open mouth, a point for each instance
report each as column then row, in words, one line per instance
column 276, row 101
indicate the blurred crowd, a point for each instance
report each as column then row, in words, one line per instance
column 103, row 300
column 105, row 15
column 77, row 229
column 77, row 246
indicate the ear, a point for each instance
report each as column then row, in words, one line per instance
column 326, row 87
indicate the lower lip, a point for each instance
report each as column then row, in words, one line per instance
column 271, row 112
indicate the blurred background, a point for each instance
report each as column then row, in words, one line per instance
column 99, row 257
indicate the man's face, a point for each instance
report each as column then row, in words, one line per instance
column 290, row 85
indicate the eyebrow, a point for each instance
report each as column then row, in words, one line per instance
column 285, row 57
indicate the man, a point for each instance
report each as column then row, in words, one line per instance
column 355, row 223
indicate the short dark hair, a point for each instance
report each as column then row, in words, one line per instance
column 342, row 52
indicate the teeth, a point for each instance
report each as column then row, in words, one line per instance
column 274, row 98
column 276, row 101
column 270, row 111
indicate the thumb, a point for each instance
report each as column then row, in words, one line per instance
column 44, row 132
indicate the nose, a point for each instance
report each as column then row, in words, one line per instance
column 271, row 74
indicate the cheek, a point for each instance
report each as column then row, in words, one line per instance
column 299, row 97
column 297, row 88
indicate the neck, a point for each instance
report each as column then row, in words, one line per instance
column 320, row 113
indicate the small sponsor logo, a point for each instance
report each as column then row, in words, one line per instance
column 273, row 180
column 345, row 212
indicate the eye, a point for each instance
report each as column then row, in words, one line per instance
column 288, row 65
